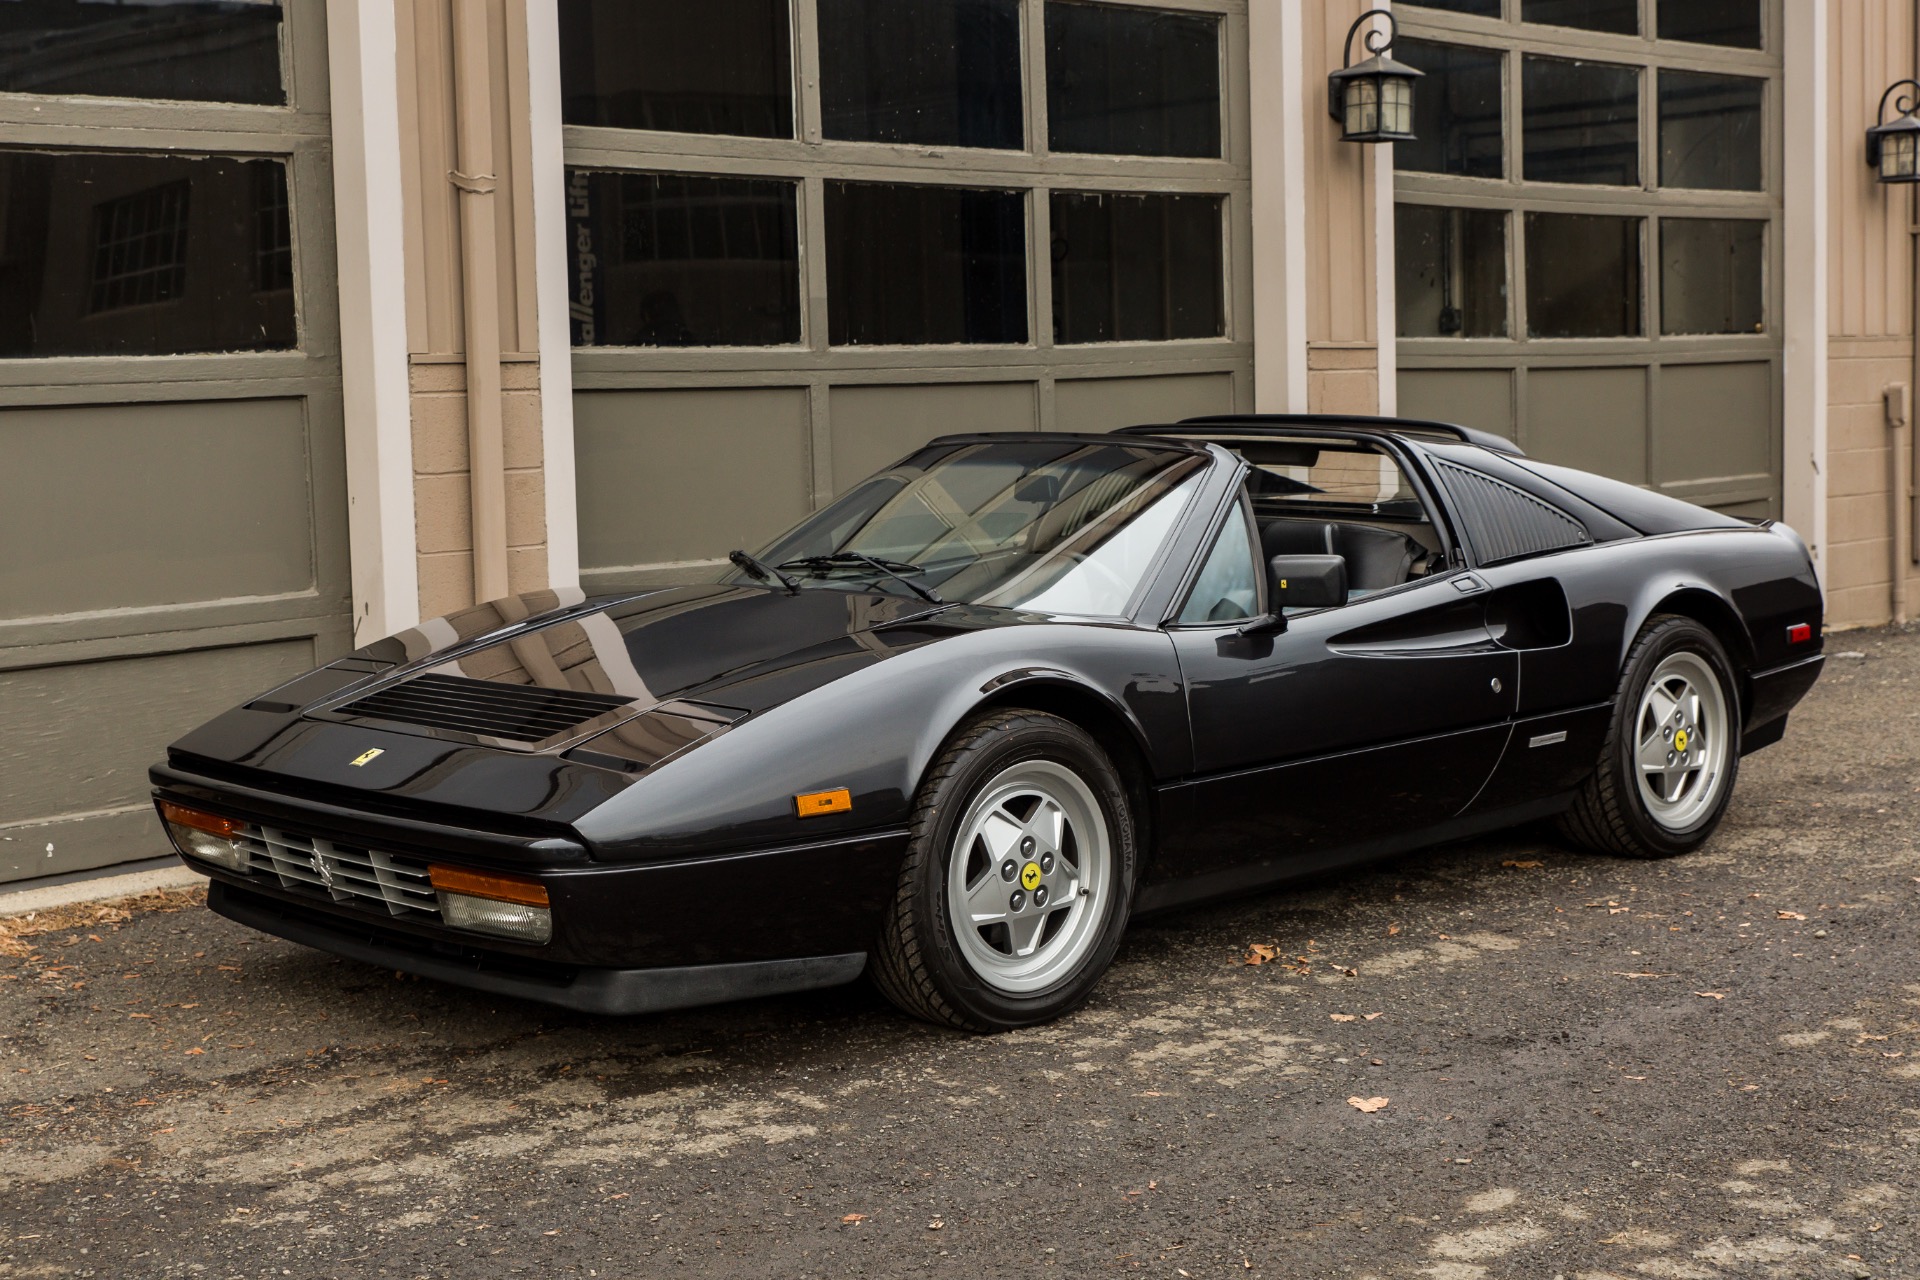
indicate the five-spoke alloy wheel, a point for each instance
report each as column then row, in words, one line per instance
column 1668, row 765
column 1018, row 880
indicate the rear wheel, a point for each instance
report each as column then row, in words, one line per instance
column 1018, row 880
column 1669, row 763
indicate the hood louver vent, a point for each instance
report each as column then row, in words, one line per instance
column 1506, row 523
column 517, row 712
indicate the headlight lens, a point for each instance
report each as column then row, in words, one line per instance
column 205, row 836
column 506, row 906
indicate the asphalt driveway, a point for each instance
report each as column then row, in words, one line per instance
column 1590, row 1068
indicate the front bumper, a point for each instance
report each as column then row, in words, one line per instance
column 581, row 988
column 757, row 906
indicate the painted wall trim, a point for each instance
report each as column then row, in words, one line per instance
column 1278, row 91
column 1804, row 229
column 369, row 222
column 551, row 300
column 1386, row 304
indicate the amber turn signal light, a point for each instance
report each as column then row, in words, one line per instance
column 484, row 884
column 180, row 815
column 815, row 803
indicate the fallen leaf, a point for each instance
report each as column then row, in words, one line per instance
column 1393, row 931
column 1260, row 953
column 1343, row 1017
column 1351, row 973
column 1788, row 915
column 1711, row 995
column 1618, row 974
column 1522, row 866
column 1372, row 1016
column 852, row 1218
column 936, row 1225
column 195, row 1051
column 1368, row 1105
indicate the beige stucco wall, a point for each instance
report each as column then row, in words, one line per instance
column 1343, row 354
column 436, row 301
column 1870, row 312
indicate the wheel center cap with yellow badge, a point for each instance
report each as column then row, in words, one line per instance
column 1030, row 876
column 1680, row 741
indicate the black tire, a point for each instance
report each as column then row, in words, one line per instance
column 918, row 964
column 1610, row 815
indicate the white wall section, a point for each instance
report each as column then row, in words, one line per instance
column 369, row 221
column 550, row 269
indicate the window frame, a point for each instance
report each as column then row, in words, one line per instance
column 812, row 159
column 1516, row 196
column 1242, row 503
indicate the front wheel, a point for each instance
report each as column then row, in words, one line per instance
column 1018, row 879
column 1668, row 765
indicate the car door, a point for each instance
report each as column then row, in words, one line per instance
column 1351, row 726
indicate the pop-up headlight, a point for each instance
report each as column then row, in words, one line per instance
column 506, row 906
column 204, row 836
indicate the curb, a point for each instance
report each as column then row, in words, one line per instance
column 98, row 889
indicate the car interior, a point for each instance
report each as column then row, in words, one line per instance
column 1324, row 498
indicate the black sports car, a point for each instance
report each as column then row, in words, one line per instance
column 960, row 726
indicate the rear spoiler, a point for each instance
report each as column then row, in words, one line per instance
column 1262, row 423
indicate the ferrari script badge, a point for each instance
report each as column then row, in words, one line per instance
column 365, row 756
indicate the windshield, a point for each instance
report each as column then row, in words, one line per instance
column 1054, row 526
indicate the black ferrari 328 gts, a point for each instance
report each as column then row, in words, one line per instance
column 957, row 728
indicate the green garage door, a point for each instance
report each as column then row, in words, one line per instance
column 1587, row 235
column 961, row 215
column 172, row 493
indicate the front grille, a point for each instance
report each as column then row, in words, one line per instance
column 346, row 873
column 519, row 712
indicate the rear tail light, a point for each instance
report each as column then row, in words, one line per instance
column 1799, row 633
column 205, row 836
column 505, row 906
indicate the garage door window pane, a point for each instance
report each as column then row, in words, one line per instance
column 925, row 265
column 1735, row 23
column 117, row 254
column 721, row 66
column 1711, row 279
column 1132, row 81
column 1451, row 269
column 1710, row 131
column 665, row 260
column 1479, row 8
column 1583, row 276
column 1620, row 17
column 196, row 50
column 927, row 72
column 1456, row 111
column 1580, row 122
column 1136, row 268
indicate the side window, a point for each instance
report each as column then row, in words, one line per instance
column 1228, row 589
column 1345, row 498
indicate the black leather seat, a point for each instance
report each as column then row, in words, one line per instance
column 1376, row 558
column 1291, row 536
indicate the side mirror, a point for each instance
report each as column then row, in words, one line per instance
column 1307, row 582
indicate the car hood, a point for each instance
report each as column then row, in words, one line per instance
column 545, row 705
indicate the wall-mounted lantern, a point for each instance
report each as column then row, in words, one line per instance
column 1373, row 101
column 1893, row 146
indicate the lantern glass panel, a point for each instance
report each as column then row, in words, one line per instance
column 1900, row 156
column 1363, row 106
column 1396, row 105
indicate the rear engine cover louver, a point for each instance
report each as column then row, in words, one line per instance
column 1504, row 522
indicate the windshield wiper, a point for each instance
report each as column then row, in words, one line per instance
column 895, row 569
column 755, row 567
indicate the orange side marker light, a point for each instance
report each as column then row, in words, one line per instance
column 815, row 803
